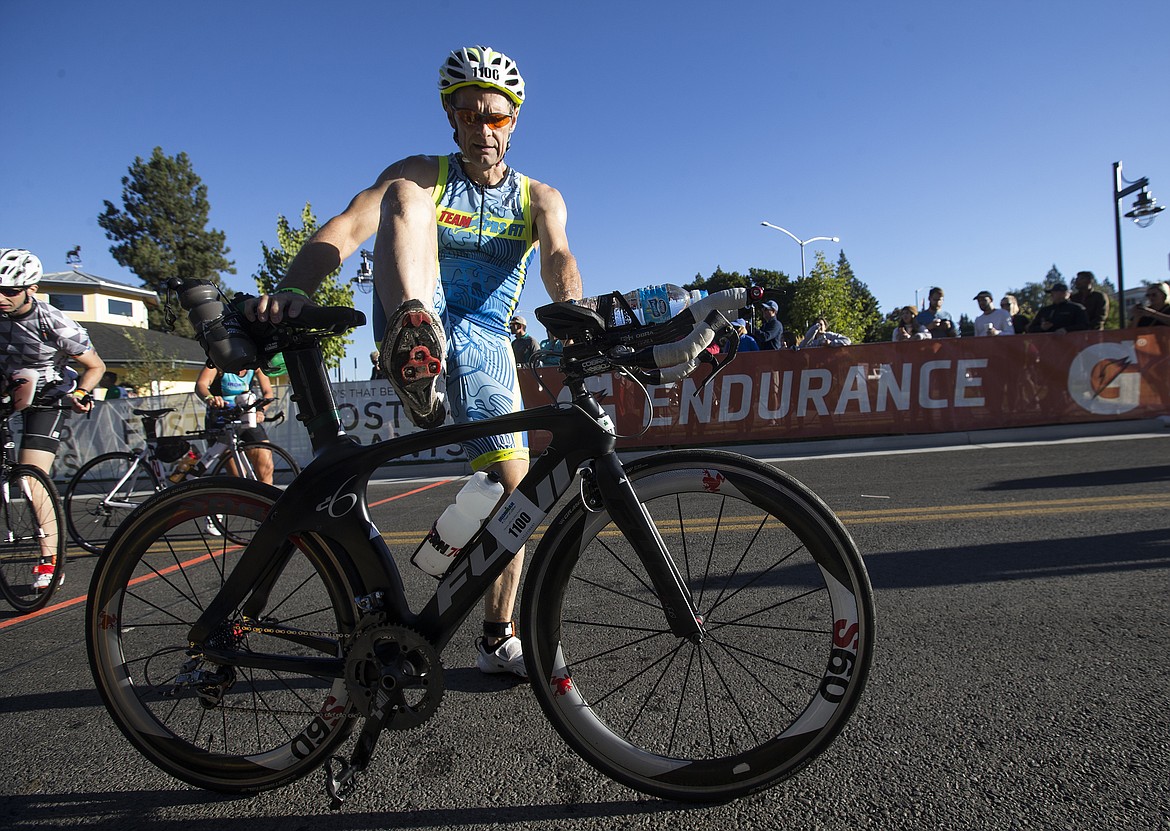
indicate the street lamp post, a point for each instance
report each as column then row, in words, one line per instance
column 801, row 242
column 1145, row 210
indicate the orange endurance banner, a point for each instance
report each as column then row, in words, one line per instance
column 932, row 386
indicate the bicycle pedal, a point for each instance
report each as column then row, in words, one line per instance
column 339, row 785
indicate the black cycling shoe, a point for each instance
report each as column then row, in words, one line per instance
column 412, row 355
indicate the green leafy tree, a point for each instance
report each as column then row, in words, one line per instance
column 1112, row 320
column 161, row 232
column 774, row 280
column 150, row 364
column 825, row 294
column 331, row 292
column 871, row 322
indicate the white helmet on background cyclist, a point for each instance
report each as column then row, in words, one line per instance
column 19, row 268
column 481, row 66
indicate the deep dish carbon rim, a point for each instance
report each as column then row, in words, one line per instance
column 788, row 612
column 227, row 728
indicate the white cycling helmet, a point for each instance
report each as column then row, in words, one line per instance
column 19, row 268
column 481, row 66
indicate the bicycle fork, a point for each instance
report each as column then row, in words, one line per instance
column 630, row 516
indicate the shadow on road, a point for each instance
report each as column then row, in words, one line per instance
column 1035, row 559
column 133, row 810
column 1087, row 479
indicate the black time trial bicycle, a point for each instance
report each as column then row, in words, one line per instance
column 32, row 526
column 696, row 624
column 108, row 487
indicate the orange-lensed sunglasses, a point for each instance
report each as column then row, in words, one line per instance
column 496, row 121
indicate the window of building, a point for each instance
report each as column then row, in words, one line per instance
column 121, row 308
column 67, row 302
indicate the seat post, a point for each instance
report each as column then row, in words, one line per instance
column 313, row 396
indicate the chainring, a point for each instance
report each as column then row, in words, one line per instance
column 385, row 658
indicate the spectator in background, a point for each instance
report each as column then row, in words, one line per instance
column 746, row 342
column 109, row 383
column 993, row 321
column 1095, row 302
column 790, row 340
column 551, row 349
column 935, row 320
column 375, row 366
column 770, row 335
column 523, row 344
column 907, row 327
column 1020, row 320
column 1061, row 314
column 1155, row 311
column 819, row 335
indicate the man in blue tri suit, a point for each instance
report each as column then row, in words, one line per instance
column 456, row 235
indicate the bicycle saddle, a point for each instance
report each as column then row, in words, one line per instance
column 569, row 321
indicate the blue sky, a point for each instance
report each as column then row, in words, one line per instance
column 965, row 145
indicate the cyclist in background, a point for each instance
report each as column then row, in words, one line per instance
column 219, row 391
column 456, row 235
column 37, row 342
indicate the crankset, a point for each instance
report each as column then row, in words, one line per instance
column 395, row 679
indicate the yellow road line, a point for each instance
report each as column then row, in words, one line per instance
column 923, row 513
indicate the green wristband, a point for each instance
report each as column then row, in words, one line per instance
column 301, row 292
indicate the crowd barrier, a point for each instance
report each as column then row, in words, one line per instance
column 913, row 387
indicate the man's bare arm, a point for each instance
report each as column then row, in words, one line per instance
column 558, row 266
column 340, row 237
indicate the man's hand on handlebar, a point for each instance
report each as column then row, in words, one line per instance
column 273, row 308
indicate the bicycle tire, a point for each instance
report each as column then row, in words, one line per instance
column 284, row 466
column 247, row 730
column 788, row 615
column 91, row 519
column 22, row 513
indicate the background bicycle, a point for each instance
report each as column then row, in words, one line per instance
column 107, row 488
column 696, row 624
column 32, row 527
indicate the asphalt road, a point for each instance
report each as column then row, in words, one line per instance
column 1020, row 681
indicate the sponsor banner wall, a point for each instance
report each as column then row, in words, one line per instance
column 930, row 386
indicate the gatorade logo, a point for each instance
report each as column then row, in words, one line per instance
column 1104, row 378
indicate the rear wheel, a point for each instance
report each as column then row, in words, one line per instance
column 787, row 613
column 260, row 702
column 262, row 454
column 103, row 493
column 32, row 541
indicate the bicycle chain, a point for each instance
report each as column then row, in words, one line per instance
column 268, row 630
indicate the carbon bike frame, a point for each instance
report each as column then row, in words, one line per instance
column 328, row 499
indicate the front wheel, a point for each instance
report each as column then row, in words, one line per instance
column 787, row 612
column 263, row 700
column 103, row 493
column 31, row 538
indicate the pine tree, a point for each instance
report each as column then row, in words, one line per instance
column 275, row 267
column 161, row 230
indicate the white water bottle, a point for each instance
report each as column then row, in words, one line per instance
column 651, row 304
column 247, row 416
column 458, row 523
